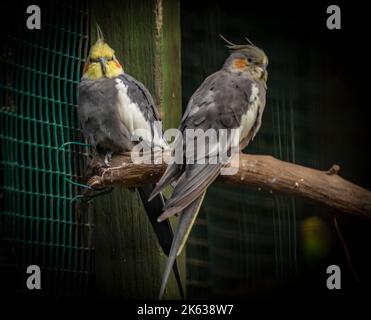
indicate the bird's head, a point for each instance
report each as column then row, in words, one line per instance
column 101, row 62
column 247, row 58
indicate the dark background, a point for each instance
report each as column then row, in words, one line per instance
column 252, row 244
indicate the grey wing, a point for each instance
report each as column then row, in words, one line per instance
column 218, row 105
column 99, row 118
column 142, row 97
column 198, row 96
column 173, row 171
column 140, row 93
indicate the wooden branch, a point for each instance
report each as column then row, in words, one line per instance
column 259, row 171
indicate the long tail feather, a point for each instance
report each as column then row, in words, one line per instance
column 186, row 220
column 162, row 230
column 171, row 173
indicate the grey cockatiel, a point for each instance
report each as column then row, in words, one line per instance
column 112, row 107
column 231, row 98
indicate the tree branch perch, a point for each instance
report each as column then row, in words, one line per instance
column 259, row 171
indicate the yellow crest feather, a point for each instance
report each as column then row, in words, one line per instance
column 101, row 49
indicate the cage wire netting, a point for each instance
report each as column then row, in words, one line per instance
column 40, row 72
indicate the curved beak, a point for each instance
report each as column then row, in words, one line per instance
column 103, row 62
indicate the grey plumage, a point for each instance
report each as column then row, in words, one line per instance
column 219, row 103
column 233, row 97
column 112, row 107
column 99, row 114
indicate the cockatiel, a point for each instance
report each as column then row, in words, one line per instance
column 112, row 106
column 231, row 98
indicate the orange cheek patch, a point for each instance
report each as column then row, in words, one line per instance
column 118, row 65
column 239, row 64
column 86, row 66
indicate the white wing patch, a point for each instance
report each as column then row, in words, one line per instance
column 132, row 117
column 249, row 118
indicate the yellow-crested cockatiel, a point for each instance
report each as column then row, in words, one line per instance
column 112, row 107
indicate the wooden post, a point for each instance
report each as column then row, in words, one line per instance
column 146, row 38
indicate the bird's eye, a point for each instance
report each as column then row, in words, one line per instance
column 249, row 60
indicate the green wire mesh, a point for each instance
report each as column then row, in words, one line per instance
column 40, row 71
